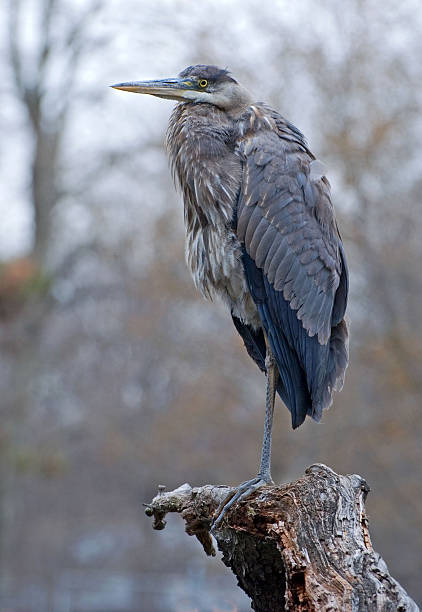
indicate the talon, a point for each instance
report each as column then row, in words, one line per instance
column 238, row 494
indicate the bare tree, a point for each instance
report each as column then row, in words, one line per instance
column 46, row 97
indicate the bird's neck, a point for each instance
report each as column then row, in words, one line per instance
column 237, row 103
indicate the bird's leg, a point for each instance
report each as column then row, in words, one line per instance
column 264, row 474
column 272, row 378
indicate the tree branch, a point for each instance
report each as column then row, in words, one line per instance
column 299, row 546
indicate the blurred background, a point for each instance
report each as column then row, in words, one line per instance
column 115, row 375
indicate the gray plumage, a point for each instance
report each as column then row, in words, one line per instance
column 262, row 235
column 249, row 163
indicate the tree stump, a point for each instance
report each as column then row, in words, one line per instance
column 302, row 546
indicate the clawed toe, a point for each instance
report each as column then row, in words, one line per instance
column 239, row 493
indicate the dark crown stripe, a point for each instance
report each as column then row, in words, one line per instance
column 211, row 73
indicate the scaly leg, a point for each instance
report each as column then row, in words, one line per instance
column 272, row 378
column 264, row 474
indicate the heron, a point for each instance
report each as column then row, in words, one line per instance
column 261, row 234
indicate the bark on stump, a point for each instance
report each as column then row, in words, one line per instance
column 302, row 546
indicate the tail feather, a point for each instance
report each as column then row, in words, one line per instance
column 338, row 357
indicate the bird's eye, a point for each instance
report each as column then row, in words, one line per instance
column 203, row 83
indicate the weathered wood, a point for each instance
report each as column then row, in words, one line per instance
column 302, row 546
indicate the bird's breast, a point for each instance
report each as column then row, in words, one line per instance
column 209, row 172
column 214, row 257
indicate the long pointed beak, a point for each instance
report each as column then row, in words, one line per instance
column 173, row 89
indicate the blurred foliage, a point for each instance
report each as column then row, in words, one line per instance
column 20, row 281
column 49, row 464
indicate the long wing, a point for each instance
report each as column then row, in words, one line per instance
column 295, row 267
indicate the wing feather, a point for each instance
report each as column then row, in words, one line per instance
column 265, row 244
column 295, row 266
column 258, row 234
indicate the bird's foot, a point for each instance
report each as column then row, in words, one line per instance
column 237, row 494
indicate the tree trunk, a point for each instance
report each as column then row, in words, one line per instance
column 44, row 190
column 303, row 546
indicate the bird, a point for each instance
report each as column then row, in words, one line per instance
column 261, row 234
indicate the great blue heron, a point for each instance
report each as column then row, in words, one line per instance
column 260, row 233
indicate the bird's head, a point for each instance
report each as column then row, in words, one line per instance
column 198, row 84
